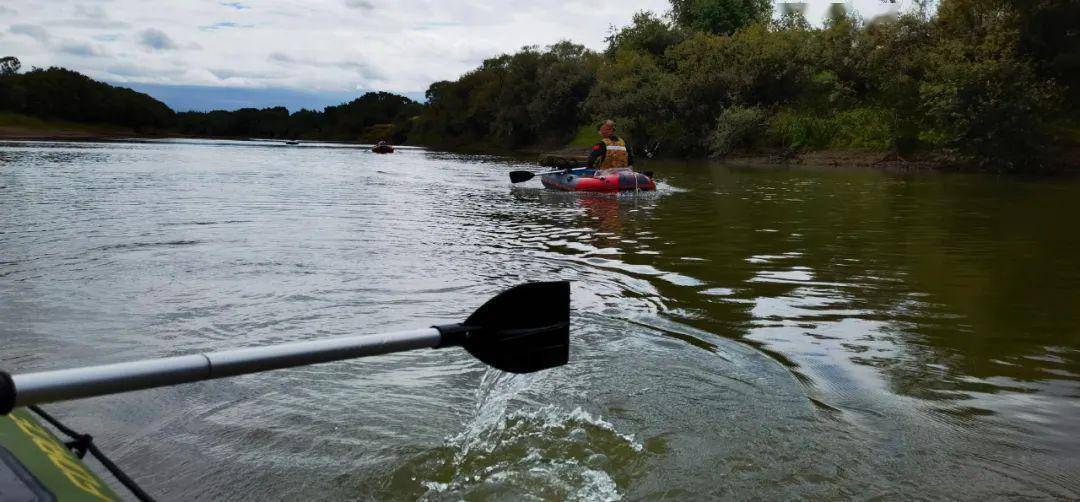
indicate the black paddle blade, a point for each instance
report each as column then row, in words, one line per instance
column 519, row 176
column 524, row 329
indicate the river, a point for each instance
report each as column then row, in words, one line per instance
column 748, row 333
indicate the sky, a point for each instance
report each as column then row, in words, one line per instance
column 227, row 54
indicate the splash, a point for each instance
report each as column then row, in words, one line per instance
column 545, row 451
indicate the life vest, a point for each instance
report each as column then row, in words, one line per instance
column 615, row 155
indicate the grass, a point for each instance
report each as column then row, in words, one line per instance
column 1072, row 133
column 586, row 136
column 854, row 129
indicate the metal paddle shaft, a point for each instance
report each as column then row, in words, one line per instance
column 59, row 385
column 523, row 329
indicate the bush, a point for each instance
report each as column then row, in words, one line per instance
column 802, row 132
column 739, row 129
column 864, row 129
column 854, row 129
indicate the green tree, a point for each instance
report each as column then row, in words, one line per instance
column 9, row 65
column 647, row 33
column 893, row 67
column 533, row 96
column 754, row 67
column 1049, row 37
column 639, row 95
column 722, row 17
column 982, row 93
column 566, row 75
column 64, row 94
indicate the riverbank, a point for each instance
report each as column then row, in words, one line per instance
column 1067, row 161
column 22, row 127
column 851, row 158
column 814, row 159
column 26, row 128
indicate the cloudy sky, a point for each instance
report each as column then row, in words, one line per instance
column 229, row 53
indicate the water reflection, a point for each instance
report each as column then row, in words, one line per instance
column 874, row 252
column 871, row 287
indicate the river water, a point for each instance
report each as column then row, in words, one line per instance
column 748, row 333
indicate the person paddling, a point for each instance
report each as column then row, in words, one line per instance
column 610, row 159
column 611, row 152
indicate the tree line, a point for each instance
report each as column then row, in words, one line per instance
column 992, row 82
column 68, row 95
column 58, row 93
column 373, row 116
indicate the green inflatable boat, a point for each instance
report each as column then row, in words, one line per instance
column 36, row 466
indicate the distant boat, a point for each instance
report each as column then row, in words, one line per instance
column 382, row 147
column 291, row 142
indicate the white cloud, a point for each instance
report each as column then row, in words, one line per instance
column 318, row 46
column 155, row 74
column 156, row 39
column 91, row 11
column 31, row 30
column 360, row 4
column 868, row 9
column 83, row 49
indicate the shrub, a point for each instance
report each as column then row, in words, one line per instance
column 739, row 129
column 864, row 129
column 802, row 132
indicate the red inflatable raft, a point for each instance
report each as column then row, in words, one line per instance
column 591, row 180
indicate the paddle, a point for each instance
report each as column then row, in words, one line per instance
column 523, row 329
column 519, row 176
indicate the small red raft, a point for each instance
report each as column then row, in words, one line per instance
column 591, row 180
column 382, row 147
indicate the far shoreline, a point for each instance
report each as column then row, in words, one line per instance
column 816, row 159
